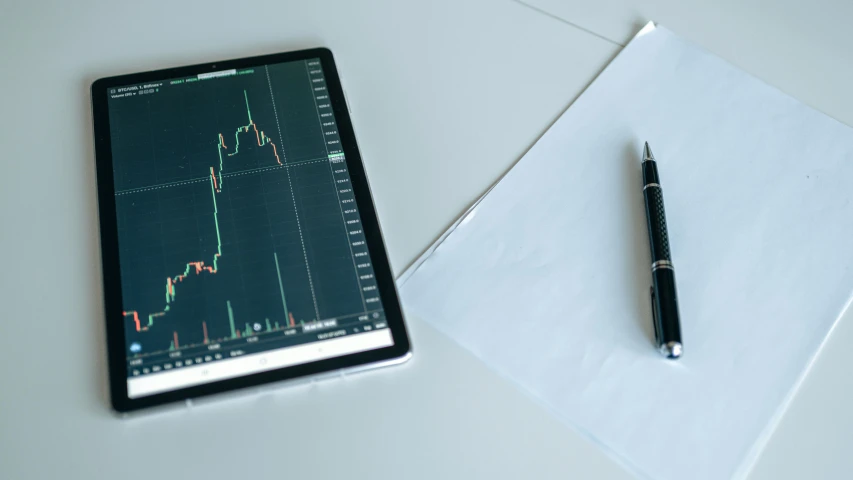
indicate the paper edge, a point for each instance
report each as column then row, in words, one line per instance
column 647, row 28
column 746, row 464
column 750, row 459
column 413, row 267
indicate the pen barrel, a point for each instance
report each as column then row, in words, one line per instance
column 665, row 307
column 655, row 214
column 667, row 323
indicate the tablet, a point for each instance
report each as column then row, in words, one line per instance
column 240, row 244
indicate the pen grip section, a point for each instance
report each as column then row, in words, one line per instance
column 658, row 238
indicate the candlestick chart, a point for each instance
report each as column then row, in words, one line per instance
column 235, row 214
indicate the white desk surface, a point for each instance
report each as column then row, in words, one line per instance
column 446, row 95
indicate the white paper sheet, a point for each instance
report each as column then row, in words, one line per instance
column 547, row 278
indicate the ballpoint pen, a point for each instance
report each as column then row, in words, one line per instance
column 665, row 315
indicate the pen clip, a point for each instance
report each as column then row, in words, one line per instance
column 655, row 317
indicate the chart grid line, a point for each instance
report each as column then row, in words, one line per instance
column 226, row 175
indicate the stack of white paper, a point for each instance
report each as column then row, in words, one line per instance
column 547, row 278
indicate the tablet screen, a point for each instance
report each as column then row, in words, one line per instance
column 240, row 243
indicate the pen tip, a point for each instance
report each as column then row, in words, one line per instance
column 647, row 153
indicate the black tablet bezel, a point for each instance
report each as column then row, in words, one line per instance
column 110, row 253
